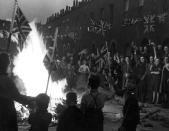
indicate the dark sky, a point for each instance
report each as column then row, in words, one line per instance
column 39, row 9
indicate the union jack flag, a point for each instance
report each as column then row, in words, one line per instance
column 102, row 56
column 21, row 27
column 100, row 27
column 149, row 23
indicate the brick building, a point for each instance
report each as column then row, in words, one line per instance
column 130, row 20
column 91, row 22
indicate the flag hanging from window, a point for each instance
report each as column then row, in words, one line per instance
column 21, row 27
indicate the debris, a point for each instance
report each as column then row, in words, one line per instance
column 150, row 114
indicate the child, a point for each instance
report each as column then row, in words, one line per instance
column 71, row 119
column 40, row 119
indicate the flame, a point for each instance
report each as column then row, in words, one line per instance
column 29, row 66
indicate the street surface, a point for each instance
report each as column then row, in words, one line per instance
column 112, row 120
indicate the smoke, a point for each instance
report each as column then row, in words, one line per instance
column 20, row 85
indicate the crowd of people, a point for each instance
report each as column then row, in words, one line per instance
column 148, row 64
column 140, row 76
column 89, row 117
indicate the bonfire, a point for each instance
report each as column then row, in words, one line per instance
column 32, row 75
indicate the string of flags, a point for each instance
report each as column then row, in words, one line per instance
column 149, row 21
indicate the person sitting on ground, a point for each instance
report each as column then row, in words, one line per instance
column 40, row 119
column 8, row 94
column 92, row 104
column 71, row 119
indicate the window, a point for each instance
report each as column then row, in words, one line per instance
column 126, row 5
column 111, row 6
column 141, row 3
column 165, row 5
column 101, row 13
column 92, row 15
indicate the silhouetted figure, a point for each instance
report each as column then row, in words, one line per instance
column 92, row 104
column 131, row 115
column 71, row 119
column 40, row 119
column 164, row 85
column 8, row 94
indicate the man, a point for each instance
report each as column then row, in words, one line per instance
column 92, row 62
column 8, row 94
column 140, row 51
column 84, row 68
column 145, row 53
column 159, row 51
column 92, row 104
column 117, row 74
column 70, row 76
column 71, row 119
column 84, row 72
column 166, row 51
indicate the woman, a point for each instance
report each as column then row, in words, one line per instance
column 155, row 83
column 164, row 85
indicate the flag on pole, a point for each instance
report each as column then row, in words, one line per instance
column 52, row 58
column 102, row 56
column 49, row 58
column 20, row 26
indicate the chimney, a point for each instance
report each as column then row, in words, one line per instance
column 74, row 3
column 77, row 3
column 67, row 8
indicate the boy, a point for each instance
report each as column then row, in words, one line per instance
column 71, row 119
column 40, row 119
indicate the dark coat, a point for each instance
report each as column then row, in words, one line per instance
column 40, row 121
column 131, row 112
column 92, row 104
column 8, row 94
column 71, row 119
